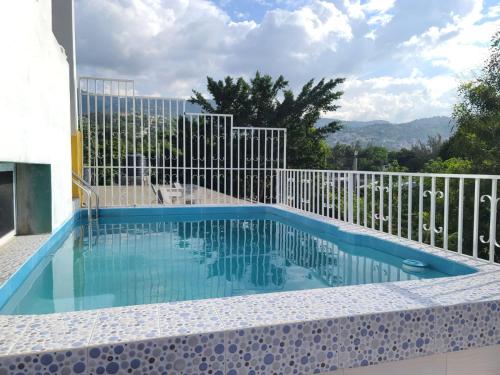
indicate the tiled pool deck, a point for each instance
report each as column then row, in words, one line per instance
column 301, row 332
column 15, row 252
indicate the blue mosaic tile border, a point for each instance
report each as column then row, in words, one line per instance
column 376, row 338
column 304, row 348
column 196, row 354
column 308, row 347
column 65, row 362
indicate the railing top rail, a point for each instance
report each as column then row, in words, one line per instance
column 259, row 128
column 154, row 97
column 135, row 97
column 407, row 174
column 208, row 114
column 105, row 79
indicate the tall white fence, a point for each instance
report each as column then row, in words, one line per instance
column 142, row 151
column 454, row 212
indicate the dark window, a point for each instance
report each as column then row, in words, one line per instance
column 6, row 202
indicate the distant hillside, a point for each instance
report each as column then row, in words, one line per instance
column 390, row 135
column 378, row 132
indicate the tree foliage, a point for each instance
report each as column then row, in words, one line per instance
column 268, row 102
column 473, row 148
column 450, row 166
column 379, row 158
column 477, row 136
column 415, row 158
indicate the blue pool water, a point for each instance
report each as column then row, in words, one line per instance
column 129, row 259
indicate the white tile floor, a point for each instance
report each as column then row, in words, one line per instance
column 482, row 361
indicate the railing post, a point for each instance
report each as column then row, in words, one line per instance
column 492, row 241
column 350, row 197
column 278, row 187
column 475, row 233
column 493, row 220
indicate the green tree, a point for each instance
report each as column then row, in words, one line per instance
column 266, row 102
column 414, row 159
column 341, row 157
column 370, row 158
column 477, row 136
column 451, row 166
column 373, row 158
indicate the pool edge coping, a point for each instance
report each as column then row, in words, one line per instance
column 482, row 267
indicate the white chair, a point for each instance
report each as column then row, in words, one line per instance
column 164, row 195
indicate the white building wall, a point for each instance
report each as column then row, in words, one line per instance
column 35, row 122
column 63, row 27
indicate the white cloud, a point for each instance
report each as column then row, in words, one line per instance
column 494, row 11
column 374, row 11
column 168, row 45
column 285, row 38
column 380, row 19
column 172, row 45
column 356, row 9
column 460, row 45
column 380, row 6
column 371, row 35
column 402, row 60
column 319, row 21
column 397, row 99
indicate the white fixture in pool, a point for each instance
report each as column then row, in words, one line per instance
column 413, row 265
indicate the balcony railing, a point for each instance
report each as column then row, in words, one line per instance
column 453, row 212
column 144, row 151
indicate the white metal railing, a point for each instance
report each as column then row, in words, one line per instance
column 454, row 212
column 142, row 151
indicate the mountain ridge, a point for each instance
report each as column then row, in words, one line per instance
column 393, row 136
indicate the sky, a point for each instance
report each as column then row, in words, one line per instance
column 402, row 59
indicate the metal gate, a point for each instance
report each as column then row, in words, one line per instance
column 143, row 151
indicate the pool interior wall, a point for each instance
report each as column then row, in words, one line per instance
column 322, row 227
column 310, row 224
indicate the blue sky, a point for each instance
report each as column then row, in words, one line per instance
column 402, row 59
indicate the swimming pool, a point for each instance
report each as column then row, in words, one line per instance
column 142, row 256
